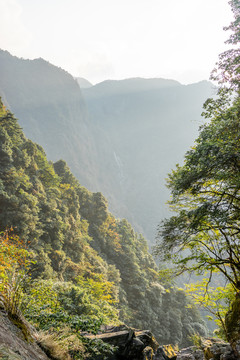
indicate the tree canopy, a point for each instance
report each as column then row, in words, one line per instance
column 93, row 264
column 204, row 233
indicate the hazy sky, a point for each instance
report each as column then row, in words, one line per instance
column 116, row 39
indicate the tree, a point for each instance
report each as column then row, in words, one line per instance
column 206, row 197
column 205, row 232
column 15, row 262
column 216, row 300
column 227, row 72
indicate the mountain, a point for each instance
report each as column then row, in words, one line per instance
column 52, row 112
column 132, row 85
column 83, row 83
column 118, row 137
column 96, row 266
column 145, row 126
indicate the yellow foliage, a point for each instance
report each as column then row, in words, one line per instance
column 108, row 230
column 15, row 262
column 3, row 110
column 13, row 253
column 99, row 288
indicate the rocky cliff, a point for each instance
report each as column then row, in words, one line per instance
column 14, row 345
column 51, row 110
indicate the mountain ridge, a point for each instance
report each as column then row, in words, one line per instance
column 149, row 132
column 137, row 84
column 120, row 137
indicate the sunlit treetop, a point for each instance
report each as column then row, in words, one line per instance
column 227, row 72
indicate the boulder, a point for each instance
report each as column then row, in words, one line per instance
column 165, row 352
column 131, row 344
column 147, row 338
column 210, row 349
column 134, row 344
column 147, row 353
column 186, row 354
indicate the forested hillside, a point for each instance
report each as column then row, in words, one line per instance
column 119, row 137
column 146, row 125
column 101, row 268
column 51, row 110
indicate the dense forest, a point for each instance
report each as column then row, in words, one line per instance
column 71, row 268
column 118, row 137
column 93, row 267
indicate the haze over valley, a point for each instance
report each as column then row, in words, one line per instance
column 120, row 138
column 113, row 114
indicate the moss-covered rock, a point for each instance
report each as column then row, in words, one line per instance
column 8, row 354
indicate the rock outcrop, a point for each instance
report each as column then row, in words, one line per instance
column 18, row 343
column 15, row 345
column 214, row 349
column 133, row 344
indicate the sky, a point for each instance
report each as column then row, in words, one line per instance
column 118, row 39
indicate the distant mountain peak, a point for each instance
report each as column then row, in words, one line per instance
column 83, row 83
column 134, row 85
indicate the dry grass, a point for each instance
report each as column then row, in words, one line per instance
column 59, row 346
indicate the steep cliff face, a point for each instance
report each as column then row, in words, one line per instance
column 52, row 111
